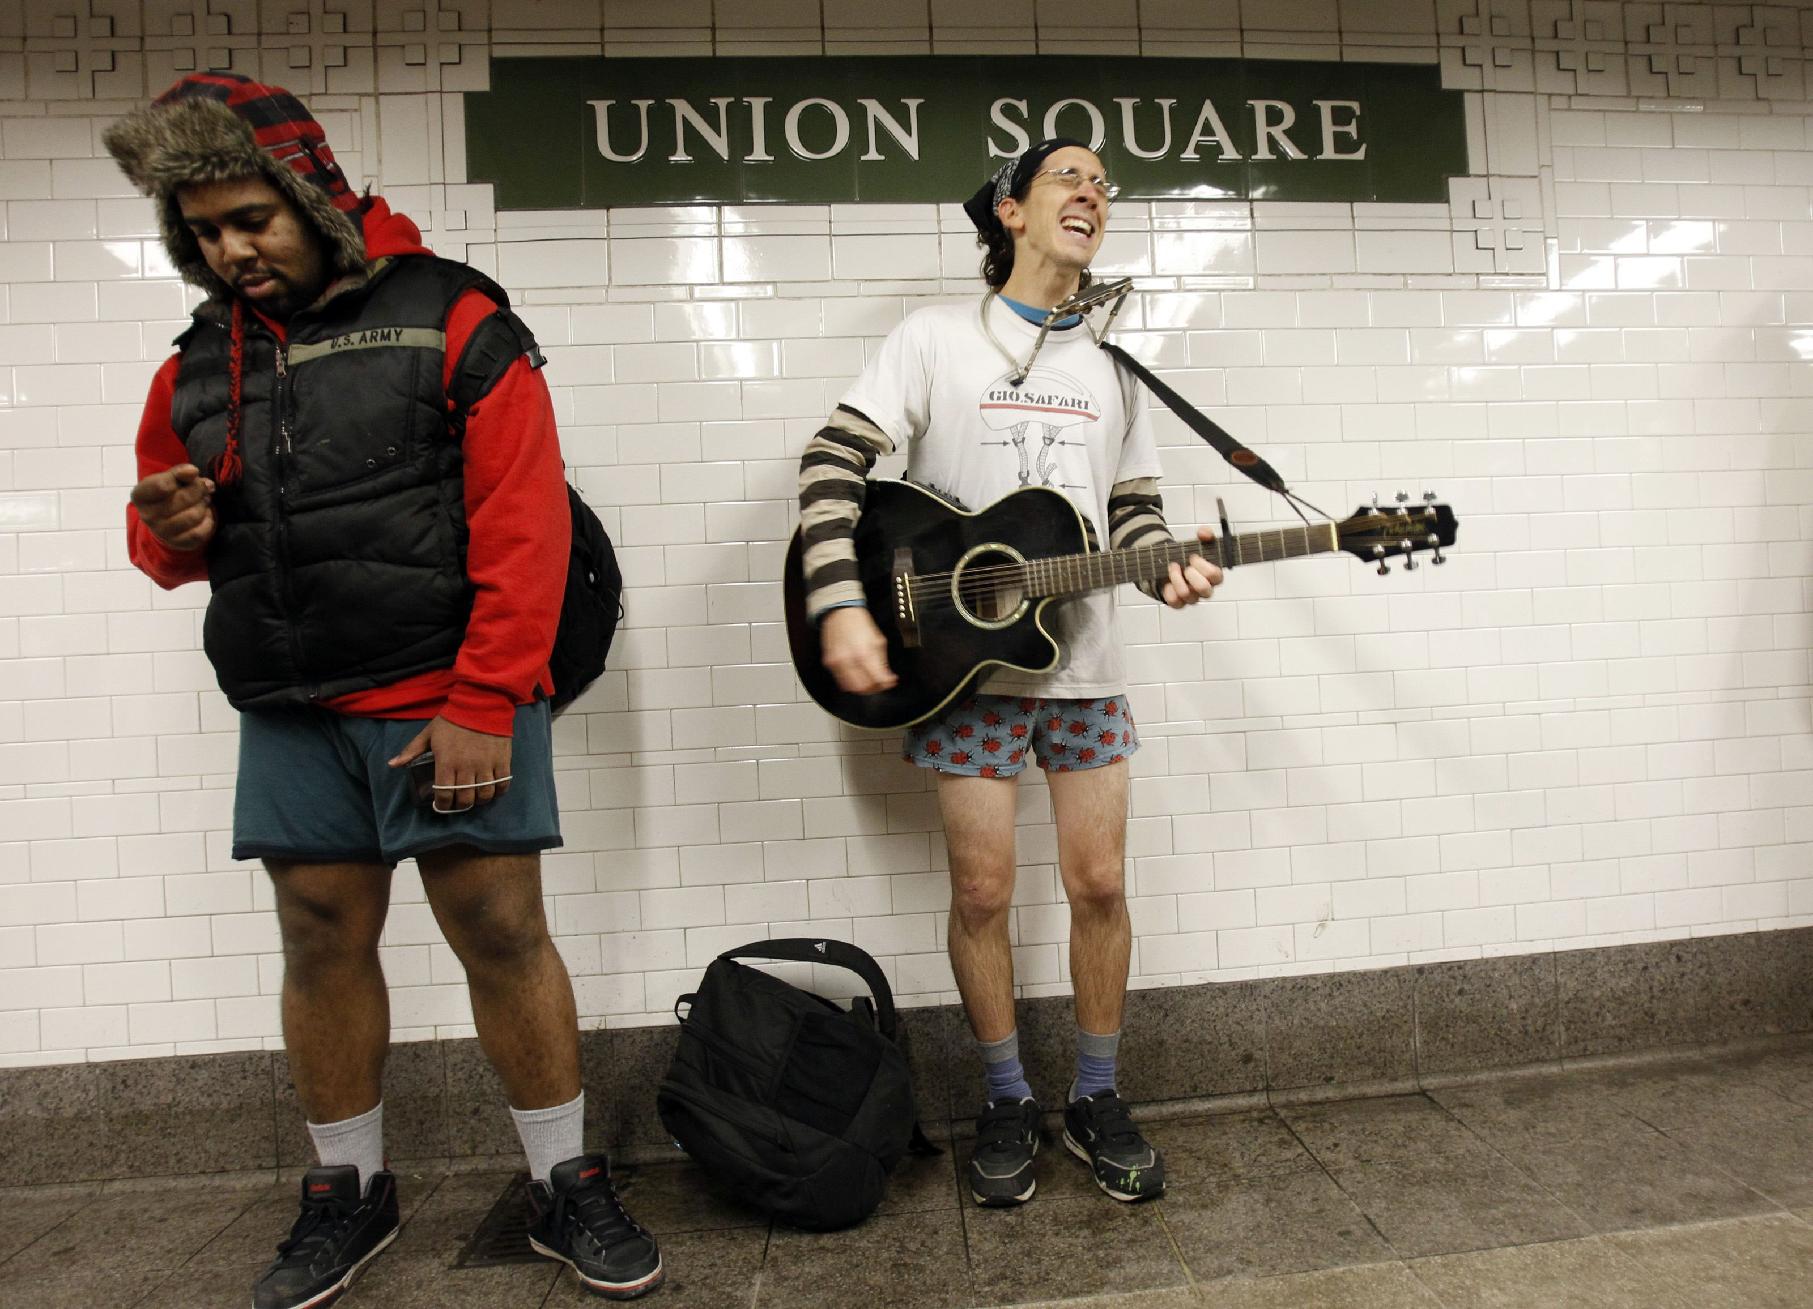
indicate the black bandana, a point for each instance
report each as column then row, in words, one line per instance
column 1011, row 178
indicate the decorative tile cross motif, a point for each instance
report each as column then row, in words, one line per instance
column 1485, row 45
column 1671, row 54
column 83, row 50
column 320, row 46
column 1579, row 47
column 1762, row 54
column 1498, row 224
column 432, row 45
column 186, row 36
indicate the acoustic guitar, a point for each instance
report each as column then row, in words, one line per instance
column 958, row 593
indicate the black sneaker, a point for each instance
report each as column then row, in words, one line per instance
column 1007, row 1137
column 336, row 1235
column 1099, row 1130
column 576, row 1217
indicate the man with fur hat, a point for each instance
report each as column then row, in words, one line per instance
column 354, row 447
column 985, row 410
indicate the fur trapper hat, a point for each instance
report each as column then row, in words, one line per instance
column 219, row 127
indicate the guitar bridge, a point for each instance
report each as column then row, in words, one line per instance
column 906, row 617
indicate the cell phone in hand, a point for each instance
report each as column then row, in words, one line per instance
column 421, row 779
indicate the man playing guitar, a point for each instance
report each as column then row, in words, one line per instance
column 983, row 409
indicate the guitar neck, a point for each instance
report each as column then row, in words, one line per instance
column 1075, row 574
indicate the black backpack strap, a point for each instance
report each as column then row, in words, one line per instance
column 1243, row 459
column 823, row 950
column 497, row 342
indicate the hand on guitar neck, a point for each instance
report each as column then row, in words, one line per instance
column 1185, row 585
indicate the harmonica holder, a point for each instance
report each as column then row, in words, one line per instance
column 1113, row 294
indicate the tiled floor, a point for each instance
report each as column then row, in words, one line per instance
column 1686, row 1186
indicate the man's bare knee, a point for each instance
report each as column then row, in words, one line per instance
column 488, row 934
column 488, row 906
column 980, row 896
column 1099, row 890
column 321, row 925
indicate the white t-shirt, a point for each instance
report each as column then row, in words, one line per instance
column 939, row 388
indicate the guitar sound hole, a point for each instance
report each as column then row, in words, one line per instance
column 989, row 590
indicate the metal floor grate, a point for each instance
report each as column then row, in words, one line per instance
column 503, row 1236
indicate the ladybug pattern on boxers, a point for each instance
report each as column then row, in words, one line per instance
column 973, row 738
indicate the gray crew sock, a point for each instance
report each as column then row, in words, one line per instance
column 551, row 1136
column 1096, row 1057
column 358, row 1141
column 1001, row 1065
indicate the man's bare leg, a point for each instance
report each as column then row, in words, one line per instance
column 336, row 1010
column 489, row 908
column 979, row 830
column 1091, row 812
column 978, row 815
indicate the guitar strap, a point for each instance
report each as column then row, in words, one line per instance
column 1200, row 423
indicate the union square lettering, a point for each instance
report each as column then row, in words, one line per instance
column 598, row 133
column 745, row 129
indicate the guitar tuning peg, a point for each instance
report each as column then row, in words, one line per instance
column 1409, row 558
column 1375, row 499
column 1383, row 568
column 1403, row 496
column 1429, row 497
column 1434, row 542
column 1378, row 552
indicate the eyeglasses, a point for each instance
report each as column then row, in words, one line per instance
column 1070, row 179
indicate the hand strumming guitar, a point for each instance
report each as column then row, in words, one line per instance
column 855, row 652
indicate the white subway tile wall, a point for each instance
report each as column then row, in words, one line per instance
column 1591, row 727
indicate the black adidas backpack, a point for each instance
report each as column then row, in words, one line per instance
column 591, row 608
column 794, row 1104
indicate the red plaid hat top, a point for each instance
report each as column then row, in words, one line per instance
column 280, row 124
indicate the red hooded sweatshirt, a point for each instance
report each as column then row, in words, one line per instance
column 516, row 517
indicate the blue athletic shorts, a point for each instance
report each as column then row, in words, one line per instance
column 317, row 786
column 988, row 735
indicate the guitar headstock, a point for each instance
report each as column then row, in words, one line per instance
column 1375, row 534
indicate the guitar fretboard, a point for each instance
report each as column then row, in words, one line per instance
column 1077, row 573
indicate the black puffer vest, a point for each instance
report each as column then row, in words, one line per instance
column 339, row 559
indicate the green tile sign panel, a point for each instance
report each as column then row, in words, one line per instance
column 595, row 133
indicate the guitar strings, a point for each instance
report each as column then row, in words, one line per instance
column 931, row 590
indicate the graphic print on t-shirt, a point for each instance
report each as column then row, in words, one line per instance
column 1034, row 416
